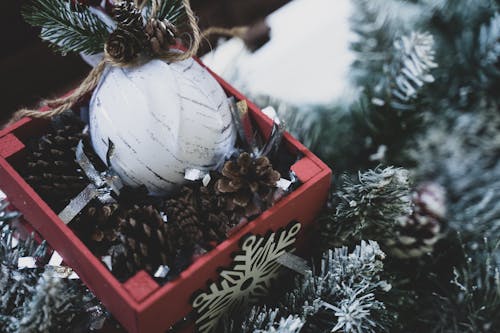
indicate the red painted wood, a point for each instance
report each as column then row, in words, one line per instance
column 305, row 169
column 9, row 145
column 140, row 304
column 140, row 286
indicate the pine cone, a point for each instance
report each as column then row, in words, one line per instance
column 417, row 233
column 215, row 220
column 183, row 214
column 147, row 242
column 161, row 35
column 128, row 17
column 51, row 168
column 246, row 179
column 123, row 46
column 97, row 227
column 127, row 41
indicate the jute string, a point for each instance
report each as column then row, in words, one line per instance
column 60, row 105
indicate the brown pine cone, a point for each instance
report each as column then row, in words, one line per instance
column 183, row 214
column 97, row 227
column 123, row 46
column 214, row 209
column 128, row 16
column 128, row 40
column 247, row 180
column 417, row 233
column 51, row 168
column 210, row 206
column 161, row 35
column 146, row 242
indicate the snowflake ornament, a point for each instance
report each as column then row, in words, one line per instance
column 249, row 279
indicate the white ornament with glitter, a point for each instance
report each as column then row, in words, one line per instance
column 162, row 119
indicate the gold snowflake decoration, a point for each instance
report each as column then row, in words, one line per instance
column 249, row 279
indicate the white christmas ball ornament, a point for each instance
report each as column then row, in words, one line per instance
column 162, row 119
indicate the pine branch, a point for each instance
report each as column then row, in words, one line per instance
column 31, row 300
column 471, row 302
column 266, row 320
column 327, row 131
column 16, row 285
column 392, row 69
column 290, row 324
column 489, row 52
column 67, row 27
column 367, row 208
column 389, row 110
column 461, row 153
column 342, row 295
column 54, row 304
column 6, row 216
column 411, row 68
column 173, row 11
column 463, row 31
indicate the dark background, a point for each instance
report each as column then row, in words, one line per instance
column 30, row 71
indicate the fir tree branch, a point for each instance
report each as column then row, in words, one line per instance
column 342, row 295
column 389, row 110
column 16, row 285
column 31, row 300
column 411, row 68
column 489, row 52
column 171, row 10
column 55, row 303
column 367, row 208
column 471, row 302
column 266, row 320
column 67, row 27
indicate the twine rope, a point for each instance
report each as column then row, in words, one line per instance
column 60, row 105
column 239, row 32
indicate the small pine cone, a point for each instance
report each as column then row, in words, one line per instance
column 213, row 206
column 51, row 168
column 128, row 16
column 147, row 242
column 161, row 35
column 218, row 226
column 183, row 215
column 123, row 46
column 417, row 233
column 97, row 226
column 247, row 178
column 212, row 220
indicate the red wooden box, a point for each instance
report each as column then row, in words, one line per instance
column 140, row 304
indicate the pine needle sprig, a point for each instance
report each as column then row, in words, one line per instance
column 471, row 301
column 342, row 295
column 489, row 51
column 267, row 320
column 52, row 308
column 411, row 69
column 67, row 27
column 327, row 131
column 173, row 11
column 368, row 207
column 16, row 285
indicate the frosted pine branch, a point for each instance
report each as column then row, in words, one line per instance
column 342, row 295
column 471, row 302
column 413, row 63
column 16, row 285
column 489, row 51
column 367, row 208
